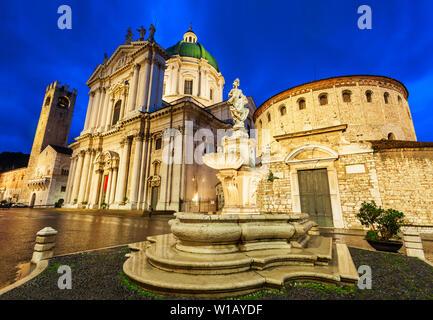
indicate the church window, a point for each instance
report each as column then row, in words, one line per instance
column 368, row 95
column 386, row 97
column 211, row 94
column 116, row 112
column 158, row 144
column 47, row 101
column 302, row 104
column 391, row 136
column 269, row 117
column 65, row 172
column 188, row 87
column 323, row 99
column 63, row 189
column 63, row 102
column 347, row 96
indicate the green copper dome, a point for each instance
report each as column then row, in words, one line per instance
column 193, row 50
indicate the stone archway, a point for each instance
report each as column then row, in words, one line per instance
column 105, row 170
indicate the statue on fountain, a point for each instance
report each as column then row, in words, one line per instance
column 237, row 102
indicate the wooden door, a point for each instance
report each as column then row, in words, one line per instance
column 315, row 197
column 154, row 198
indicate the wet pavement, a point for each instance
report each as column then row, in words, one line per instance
column 78, row 231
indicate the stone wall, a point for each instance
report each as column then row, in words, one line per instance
column 11, row 183
column 401, row 179
column 406, row 182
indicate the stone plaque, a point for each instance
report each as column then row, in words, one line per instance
column 279, row 175
column 355, row 168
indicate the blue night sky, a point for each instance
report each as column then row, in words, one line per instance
column 269, row 45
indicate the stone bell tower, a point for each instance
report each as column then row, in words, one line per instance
column 53, row 126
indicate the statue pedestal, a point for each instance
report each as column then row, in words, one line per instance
column 237, row 172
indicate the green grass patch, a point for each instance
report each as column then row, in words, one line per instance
column 133, row 287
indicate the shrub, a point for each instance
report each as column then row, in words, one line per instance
column 5, row 204
column 59, row 203
column 271, row 177
column 372, row 235
column 384, row 224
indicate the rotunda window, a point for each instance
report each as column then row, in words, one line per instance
column 347, row 96
column 269, row 117
column 399, row 100
column 283, row 110
column 391, row 136
column 47, row 101
column 302, row 104
column 368, row 95
column 386, row 97
column 323, row 99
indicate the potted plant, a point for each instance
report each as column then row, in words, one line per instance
column 384, row 226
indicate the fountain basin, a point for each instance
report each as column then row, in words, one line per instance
column 221, row 161
column 201, row 233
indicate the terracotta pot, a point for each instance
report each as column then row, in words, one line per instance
column 387, row 246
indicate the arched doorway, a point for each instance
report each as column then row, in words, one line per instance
column 33, row 200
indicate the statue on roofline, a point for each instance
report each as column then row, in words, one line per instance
column 142, row 33
column 129, row 36
column 151, row 33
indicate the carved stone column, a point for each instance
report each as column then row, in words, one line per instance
column 113, row 186
column 144, row 85
column 123, row 175
column 89, row 110
column 95, row 106
column 70, row 179
column 123, row 113
column 136, row 169
column 133, row 91
column 77, row 178
column 85, row 175
column 110, row 183
column 95, row 189
column 109, row 114
column 104, row 111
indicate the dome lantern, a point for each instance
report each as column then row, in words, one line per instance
column 190, row 36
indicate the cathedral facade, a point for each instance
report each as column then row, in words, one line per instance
column 121, row 158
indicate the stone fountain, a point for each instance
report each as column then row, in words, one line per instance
column 240, row 250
